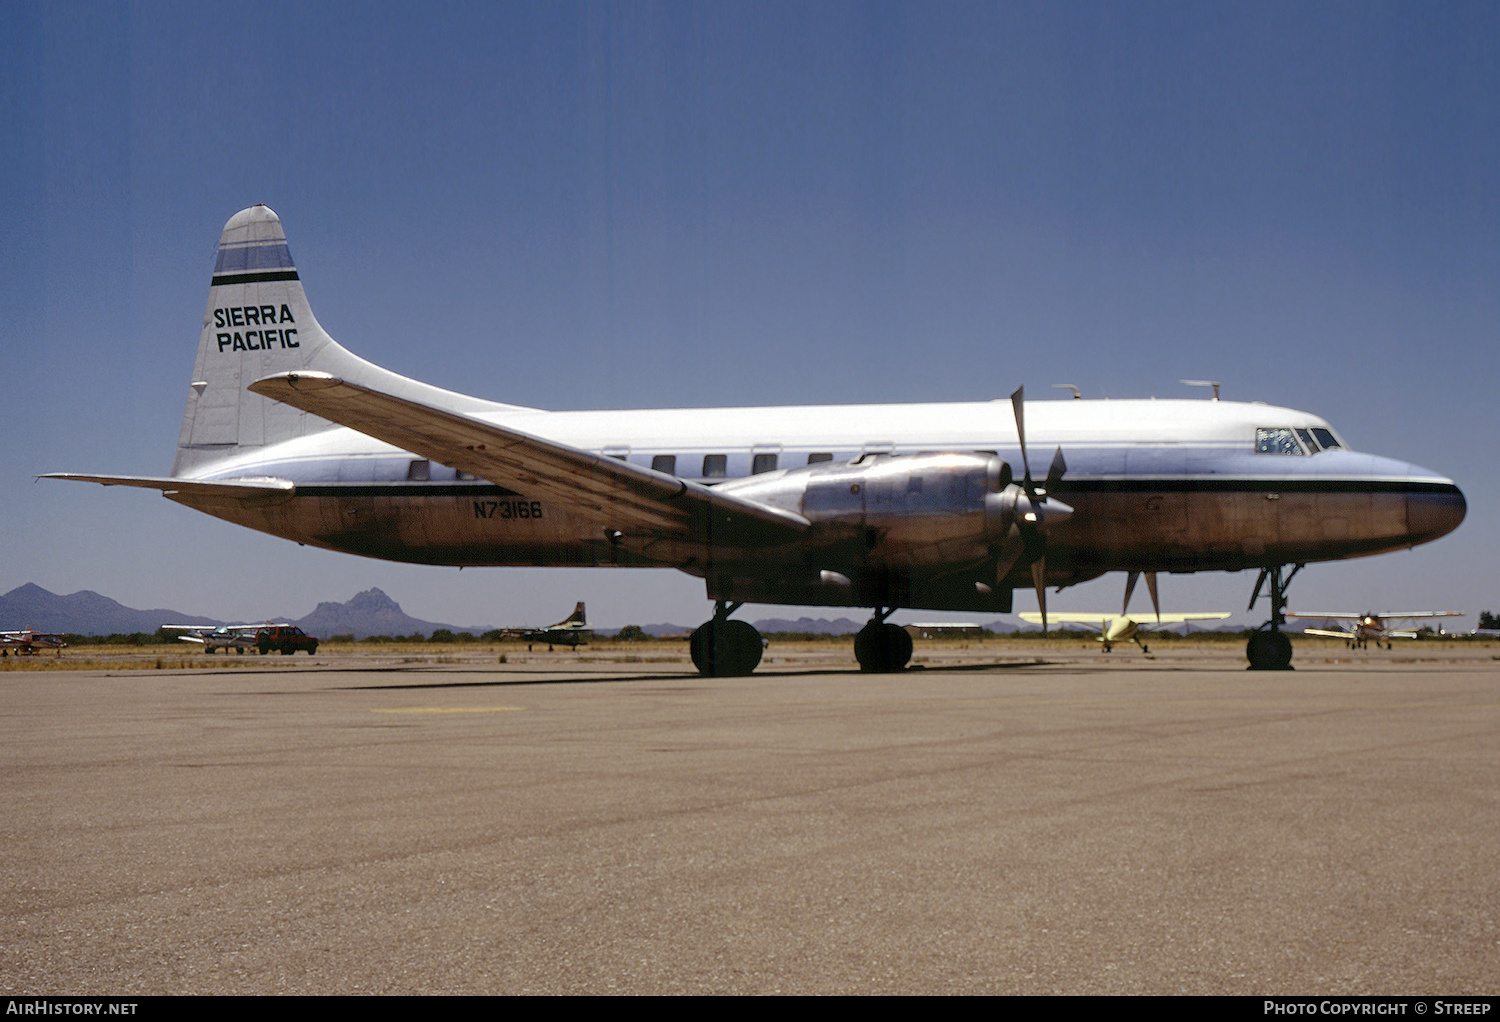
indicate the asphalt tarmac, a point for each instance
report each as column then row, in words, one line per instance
column 568, row 825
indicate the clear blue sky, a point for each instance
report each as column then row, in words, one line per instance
column 641, row 204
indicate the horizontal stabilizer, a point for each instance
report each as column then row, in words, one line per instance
column 630, row 499
column 249, row 490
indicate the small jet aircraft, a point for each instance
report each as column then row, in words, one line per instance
column 26, row 642
column 1115, row 628
column 572, row 630
column 887, row 506
column 1369, row 628
column 236, row 637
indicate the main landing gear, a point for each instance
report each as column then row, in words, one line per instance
column 722, row 648
column 1269, row 649
column 882, row 648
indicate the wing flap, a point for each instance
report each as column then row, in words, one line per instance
column 627, row 498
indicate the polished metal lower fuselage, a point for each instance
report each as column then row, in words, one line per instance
column 1146, row 507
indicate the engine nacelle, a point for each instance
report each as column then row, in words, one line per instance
column 910, row 510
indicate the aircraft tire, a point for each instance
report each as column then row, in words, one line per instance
column 882, row 648
column 725, row 649
column 1269, row 651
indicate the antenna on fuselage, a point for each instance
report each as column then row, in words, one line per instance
column 1077, row 394
column 1204, row 383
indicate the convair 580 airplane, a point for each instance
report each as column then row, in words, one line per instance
column 880, row 506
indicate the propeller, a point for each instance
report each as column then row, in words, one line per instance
column 1150, row 587
column 1035, row 511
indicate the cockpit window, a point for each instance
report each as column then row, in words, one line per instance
column 1326, row 439
column 1269, row 440
column 1305, row 435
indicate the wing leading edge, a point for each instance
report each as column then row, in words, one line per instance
column 629, row 499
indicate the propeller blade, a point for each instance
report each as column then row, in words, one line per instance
column 1130, row 581
column 1018, row 405
column 1258, row 583
column 1008, row 556
column 1039, row 579
column 1055, row 472
column 1033, row 517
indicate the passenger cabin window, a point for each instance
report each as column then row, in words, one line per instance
column 763, row 463
column 714, row 465
column 418, row 471
column 1276, row 441
column 814, row 459
column 665, row 463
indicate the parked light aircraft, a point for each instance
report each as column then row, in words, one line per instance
column 1369, row 628
column 572, row 630
column 879, row 506
column 236, row 637
column 1115, row 628
column 26, row 642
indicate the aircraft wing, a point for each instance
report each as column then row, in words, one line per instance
column 1407, row 615
column 1035, row 617
column 1327, row 617
column 250, row 490
column 1327, row 632
column 1145, row 621
column 620, row 496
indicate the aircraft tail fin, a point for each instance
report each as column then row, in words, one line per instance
column 578, row 617
column 258, row 322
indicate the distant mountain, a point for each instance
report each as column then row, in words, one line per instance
column 814, row 625
column 657, row 630
column 82, row 613
column 371, row 612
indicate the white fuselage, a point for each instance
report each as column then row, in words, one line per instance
column 1156, row 486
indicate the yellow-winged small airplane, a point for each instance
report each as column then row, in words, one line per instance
column 1115, row 628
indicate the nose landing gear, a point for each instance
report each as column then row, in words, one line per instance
column 1269, row 649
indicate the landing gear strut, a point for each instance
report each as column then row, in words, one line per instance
column 882, row 648
column 1269, row 649
column 722, row 648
